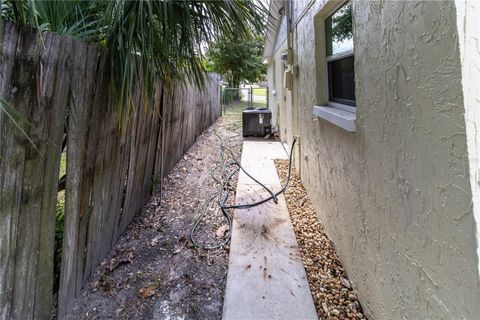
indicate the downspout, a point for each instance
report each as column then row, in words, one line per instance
column 288, row 15
column 297, row 151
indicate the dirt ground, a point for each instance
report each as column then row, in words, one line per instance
column 154, row 272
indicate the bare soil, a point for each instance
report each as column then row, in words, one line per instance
column 332, row 292
column 154, row 272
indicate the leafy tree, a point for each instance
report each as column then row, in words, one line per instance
column 237, row 58
column 342, row 23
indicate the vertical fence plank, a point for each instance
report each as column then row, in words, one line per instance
column 94, row 76
column 27, row 201
column 24, row 98
column 10, row 171
column 123, row 169
column 54, row 85
column 95, row 166
column 116, row 183
column 131, row 168
column 82, row 67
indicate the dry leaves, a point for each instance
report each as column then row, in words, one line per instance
column 180, row 245
column 222, row 231
column 147, row 292
column 104, row 283
column 332, row 292
column 122, row 257
column 155, row 240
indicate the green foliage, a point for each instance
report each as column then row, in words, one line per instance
column 146, row 41
column 75, row 18
column 63, row 164
column 230, row 95
column 59, row 221
column 342, row 23
column 237, row 58
column 18, row 119
column 154, row 181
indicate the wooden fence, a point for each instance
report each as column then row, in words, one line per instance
column 54, row 81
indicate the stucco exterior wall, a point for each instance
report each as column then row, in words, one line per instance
column 275, row 68
column 396, row 195
column 271, row 76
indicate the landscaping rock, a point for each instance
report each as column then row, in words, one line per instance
column 332, row 292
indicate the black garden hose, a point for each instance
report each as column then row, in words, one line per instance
column 222, row 195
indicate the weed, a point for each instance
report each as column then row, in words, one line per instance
column 157, row 282
column 154, row 181
column 59, row 222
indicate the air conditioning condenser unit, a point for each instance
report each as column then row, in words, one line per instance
column 256, row 122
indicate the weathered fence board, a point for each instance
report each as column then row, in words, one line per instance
column 8, row 178
column 58, row 83
column 29, row 173
column 81, row 92
column 53, row 98
column 23, row 90
column 184, row 125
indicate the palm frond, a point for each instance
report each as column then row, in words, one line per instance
column 18, row 119
column 146, row 41
column 162, row 40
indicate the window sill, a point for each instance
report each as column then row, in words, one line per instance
column 341, row 118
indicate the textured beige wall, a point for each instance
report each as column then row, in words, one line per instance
column 277, row 103
column 395, row 196
column 271, row 76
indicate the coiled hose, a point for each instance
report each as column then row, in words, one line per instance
column 226, row 189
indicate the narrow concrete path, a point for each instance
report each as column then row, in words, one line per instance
column 266, row 277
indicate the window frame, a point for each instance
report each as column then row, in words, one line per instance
column 338, row 114
column 346, row 105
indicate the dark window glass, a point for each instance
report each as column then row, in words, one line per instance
column 341, row 81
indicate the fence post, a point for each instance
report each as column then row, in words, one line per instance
column 220, row 102
column 268, row 95
column 251, row 97
column 224, row 104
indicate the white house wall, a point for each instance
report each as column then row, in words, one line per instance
column 469, row 32
column 281, row 35
column 395, row 196
column 275, row 76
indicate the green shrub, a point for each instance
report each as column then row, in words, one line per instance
column 154, row 181
column 59, row 222
column 230, row 95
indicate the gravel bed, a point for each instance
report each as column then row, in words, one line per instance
column 332, row 292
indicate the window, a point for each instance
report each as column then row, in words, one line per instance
column 336, row 102
column 339, row 56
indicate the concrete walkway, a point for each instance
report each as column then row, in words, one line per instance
column 266, row 278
